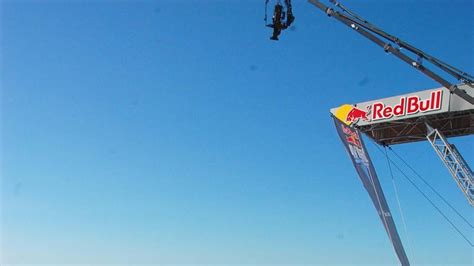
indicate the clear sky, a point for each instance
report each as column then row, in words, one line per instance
column 176, row 132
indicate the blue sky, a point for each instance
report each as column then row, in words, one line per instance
column 176, row 132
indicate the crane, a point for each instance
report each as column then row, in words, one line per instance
column 350, row 133
column 453, row 160
column 394, row 45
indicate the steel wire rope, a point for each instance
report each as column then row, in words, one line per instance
column 399, row 206
column 428, row 199
column 431, row 187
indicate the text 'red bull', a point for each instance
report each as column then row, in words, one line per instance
column 406, row 106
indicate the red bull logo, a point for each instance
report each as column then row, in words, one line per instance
column 351, row 115
column 404, row 106
column 355, row 114
column 351, row 136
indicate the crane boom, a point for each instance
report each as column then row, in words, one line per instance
column 377, row 35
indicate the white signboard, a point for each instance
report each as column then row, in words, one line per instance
column 394, row 108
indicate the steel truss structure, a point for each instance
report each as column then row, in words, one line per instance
column 453, row 160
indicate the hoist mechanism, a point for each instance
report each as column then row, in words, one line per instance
column 282, row 18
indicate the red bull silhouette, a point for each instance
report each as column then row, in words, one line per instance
column 350, row 115
column 355, row 114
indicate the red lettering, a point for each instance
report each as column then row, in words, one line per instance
column 387, row 112
column 433, row 100
column 425, row 105
column 438, row 99
column 407, row 106
column 377, row 111
column 412, row 103
column 399, row 109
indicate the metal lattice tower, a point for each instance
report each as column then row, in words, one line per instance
column 455, row 163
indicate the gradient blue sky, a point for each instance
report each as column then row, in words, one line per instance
column 176, row 132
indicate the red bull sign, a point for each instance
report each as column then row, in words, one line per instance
column 394, row 108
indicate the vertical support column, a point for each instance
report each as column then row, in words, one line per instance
column 455, row 163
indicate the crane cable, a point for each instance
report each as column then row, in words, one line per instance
column 399, row 206
column 427, row 198
column 432, row 188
